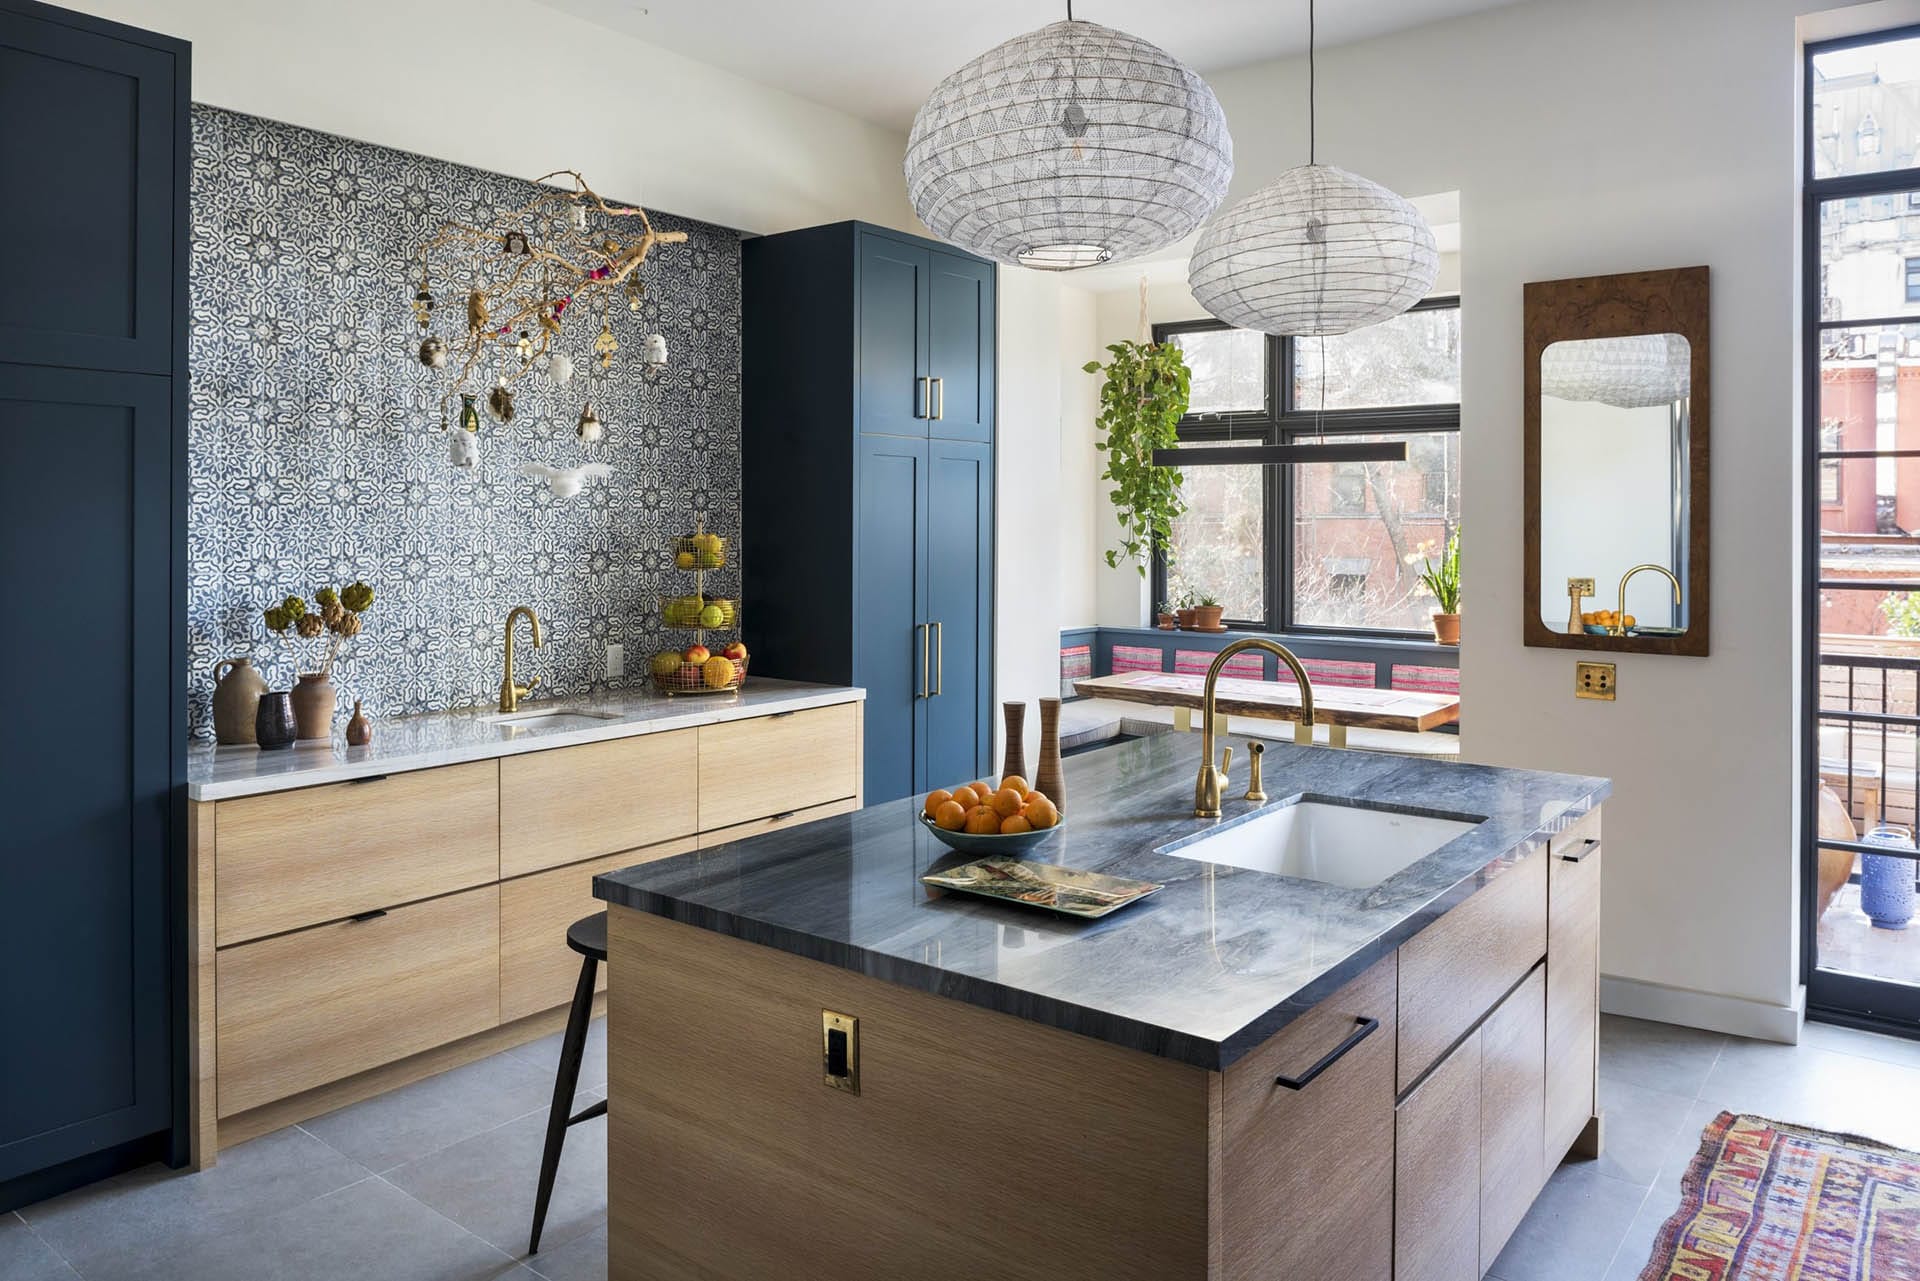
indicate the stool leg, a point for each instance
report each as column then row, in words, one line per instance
column 573, row 1048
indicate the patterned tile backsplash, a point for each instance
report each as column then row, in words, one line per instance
column 315, row 455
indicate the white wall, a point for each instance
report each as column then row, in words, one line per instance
column 522, row 89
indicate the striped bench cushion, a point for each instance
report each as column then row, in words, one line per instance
column 1426, row 680
column 1076, row 663
column 1351, row 673
column 1135, row 658
column 1194, row 662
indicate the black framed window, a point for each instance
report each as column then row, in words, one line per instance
column 1913, row 273
column 1325, row 547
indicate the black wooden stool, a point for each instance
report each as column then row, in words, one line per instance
column 587, row 936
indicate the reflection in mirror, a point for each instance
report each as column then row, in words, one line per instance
column 1614, row 433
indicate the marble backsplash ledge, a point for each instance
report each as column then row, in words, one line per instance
column 315, row 458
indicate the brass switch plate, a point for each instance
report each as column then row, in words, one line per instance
column 840, row 1051
column 1582, row 585
column 1593, row 680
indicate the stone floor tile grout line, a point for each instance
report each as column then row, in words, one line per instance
column 435, row 1211
column 52, row 1249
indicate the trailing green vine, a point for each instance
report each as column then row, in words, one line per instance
column 1141, row 404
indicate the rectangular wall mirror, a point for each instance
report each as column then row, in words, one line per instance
column 1616, row 462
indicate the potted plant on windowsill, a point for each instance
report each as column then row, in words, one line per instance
column 1183, row 612
column 1443, row 580
column 1206, row 614
column 1163, row 617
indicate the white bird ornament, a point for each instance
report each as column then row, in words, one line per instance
column 565, row 482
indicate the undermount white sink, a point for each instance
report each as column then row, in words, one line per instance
column 556, row 718
column 1316, row 841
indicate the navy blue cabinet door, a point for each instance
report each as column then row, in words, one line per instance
column 889, row 565
column 87, row 161
column 892, row 356
column 959, row 735
column 87, row 759
column 960, row 339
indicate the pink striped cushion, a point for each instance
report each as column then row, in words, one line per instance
column 1194, row 662
column 1352, row 673
column 1135, row 658
column 1426, row 680
column 1076, row 661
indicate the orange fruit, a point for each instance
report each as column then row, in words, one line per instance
column 1041, row 814
column 966, row 795
column 951, row 816
column 1037, row 796
column 982, row 821
column 1017, row 783
column 935, row 799
column 1007, row 802
column 986, row 790
column 1014, row 823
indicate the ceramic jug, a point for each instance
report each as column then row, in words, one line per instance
column 236, row 697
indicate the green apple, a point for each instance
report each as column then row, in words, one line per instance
column 712, row 616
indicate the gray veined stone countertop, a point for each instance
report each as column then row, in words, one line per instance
column 1201, row 972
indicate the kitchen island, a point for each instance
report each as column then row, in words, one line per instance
column 1248, row 1074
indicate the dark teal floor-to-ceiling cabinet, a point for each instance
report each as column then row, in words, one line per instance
column 867, row 469
column 93, row 164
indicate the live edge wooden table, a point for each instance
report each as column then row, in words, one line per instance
column 1338, row 707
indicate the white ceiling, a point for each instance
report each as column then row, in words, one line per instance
column 877, row 59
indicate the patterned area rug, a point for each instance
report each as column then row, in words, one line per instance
column 1765, row 1201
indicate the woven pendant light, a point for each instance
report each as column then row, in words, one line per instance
column 1637, row 371
column 1318, row 251
column 1066, row 147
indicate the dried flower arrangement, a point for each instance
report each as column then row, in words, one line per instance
column 334, row 615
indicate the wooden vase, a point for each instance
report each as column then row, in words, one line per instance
column 1016, row 757
column 1049, row 780
column 313, row 703
column 359, row 729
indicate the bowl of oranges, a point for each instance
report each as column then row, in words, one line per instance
column 981, row 818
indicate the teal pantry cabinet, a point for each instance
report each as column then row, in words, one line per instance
column 867, row 471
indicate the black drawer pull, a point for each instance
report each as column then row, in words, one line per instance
column 370, row 778
column 783, row 816
column 374, row 915
column 783, row 715
column 1363, row 1028
column 1579, row 855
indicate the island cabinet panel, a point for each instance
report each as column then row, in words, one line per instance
column 311, row 1007
column 537, row 969
column 1436, row 1222
column 1307, row 1174
column 568, row 803
column 777, row 822
column 1513, row 1064
column 772, row 764
column 979, row 1144
column 292, row 859
column 1573, row 985
column 1453, row 972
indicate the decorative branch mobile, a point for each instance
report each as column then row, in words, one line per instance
column 526, row 276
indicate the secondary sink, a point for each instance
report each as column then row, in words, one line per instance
column 1318, row 841
column 557, row 718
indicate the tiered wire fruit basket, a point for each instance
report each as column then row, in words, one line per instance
column 706, row 666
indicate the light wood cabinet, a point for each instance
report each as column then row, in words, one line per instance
column 1513, row 1064
column 773, row 764
column 537, row 969
column 569, row 803
column 1436, row 1162
column 776, row 822
column 291, row 859
column 1573, row 984
column 310, row 1007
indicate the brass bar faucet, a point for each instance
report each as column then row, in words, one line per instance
column 1256, row 790
column 510, row 693
column 1619, row 627
column 1207, row 789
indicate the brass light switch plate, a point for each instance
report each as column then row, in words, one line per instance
column 1583, row 586
column 1593, row 680
column 840, row 1051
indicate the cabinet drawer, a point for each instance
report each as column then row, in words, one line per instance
column 1452, row 972
column 1573, row 985
column 292, row 859
column 772, row 764
column 311, row 1007
column 1436, row 1163
column 537, row 968
column 776, row 822
column 1513, row 1062
column 570, row 803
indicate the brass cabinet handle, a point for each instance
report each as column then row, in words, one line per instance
column 1363, row 1028
column 939, row 660
column 923, row 407
column 923, row 629
column 940, row 389
column 1579, row 854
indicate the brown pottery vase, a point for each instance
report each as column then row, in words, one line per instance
column 313, row 703
column 236, row 699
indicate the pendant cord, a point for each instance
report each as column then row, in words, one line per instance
column 1312, row 80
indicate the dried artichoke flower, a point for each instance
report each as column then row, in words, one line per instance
column 278, row 619
column 310, row 625
column 295, row 607
column 349, row 624
column 325, row 597
column 332, row 611
column 358, row 597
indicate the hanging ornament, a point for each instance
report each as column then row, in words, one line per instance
column 636, row 290
column 515, row 242
column 423, row 305
column 433, row 352
column 463, row 449
column 500, row 403
column 577, row 214
column 589, row 429
column 469, row 416
column 559, row 368
column 476, row 312
column 653, row 351
column 605, row 345
column 524, row 346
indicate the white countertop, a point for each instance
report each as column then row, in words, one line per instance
column 449, row 738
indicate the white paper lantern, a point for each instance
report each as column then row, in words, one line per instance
column 1636, row 371
column 1068, row 146
column 1319, row 251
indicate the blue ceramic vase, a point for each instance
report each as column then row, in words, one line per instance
column 1887, row 880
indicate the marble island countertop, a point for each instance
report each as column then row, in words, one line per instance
column 449, row 738
column 1202, row 972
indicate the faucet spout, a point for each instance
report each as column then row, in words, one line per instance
column 1207, row 789
column 1619, row 627
column 510, row 692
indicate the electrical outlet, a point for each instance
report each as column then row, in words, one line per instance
column 1593, row 680
column 616, row 661
column 1582, row 585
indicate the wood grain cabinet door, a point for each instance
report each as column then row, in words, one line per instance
column 569, row 803
column 1436, row 1161
column 1513, row 1064
column 1573, row 983
column 754, row 768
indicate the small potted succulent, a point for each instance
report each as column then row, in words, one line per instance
column 1163, row 617
column 1183, row 611
column 333, row 619
column 1206, row 614
column 1443, row 581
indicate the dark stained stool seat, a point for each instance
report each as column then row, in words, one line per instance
column 587, row 936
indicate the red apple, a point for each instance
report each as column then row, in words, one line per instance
column 736, row 651
column 697, row 654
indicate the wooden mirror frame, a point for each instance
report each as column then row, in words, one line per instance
column 1643, row 302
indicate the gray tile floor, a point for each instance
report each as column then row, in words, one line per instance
column 435, row 1181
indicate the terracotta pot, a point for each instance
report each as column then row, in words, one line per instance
column 1185, row 618
column 273, row 724
column 313, row 703
column 1446, row 628
column 1206, row 618
column 1166, row 622
column 236, row 699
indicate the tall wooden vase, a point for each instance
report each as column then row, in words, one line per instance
column 1049, row 778
column 1016, row 758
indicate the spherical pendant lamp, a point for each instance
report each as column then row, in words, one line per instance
column 1066, row 147
column 1636, row 371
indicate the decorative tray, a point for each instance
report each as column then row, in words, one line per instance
column 1058, row 889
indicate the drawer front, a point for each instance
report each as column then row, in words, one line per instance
column 776, row 822
column 773, row 764
column 1436, row 1164
column 571, row 803
column 1573, row 988
column 537, row 969
column 1454, row 971
column 304, row 1009
column 1513, row 1065
column 292, row 859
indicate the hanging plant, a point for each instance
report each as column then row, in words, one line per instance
column 1141, row 405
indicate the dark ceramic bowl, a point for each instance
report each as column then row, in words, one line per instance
column 1013, row 845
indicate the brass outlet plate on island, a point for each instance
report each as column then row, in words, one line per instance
column 1593, row 680
column 840, row 1051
